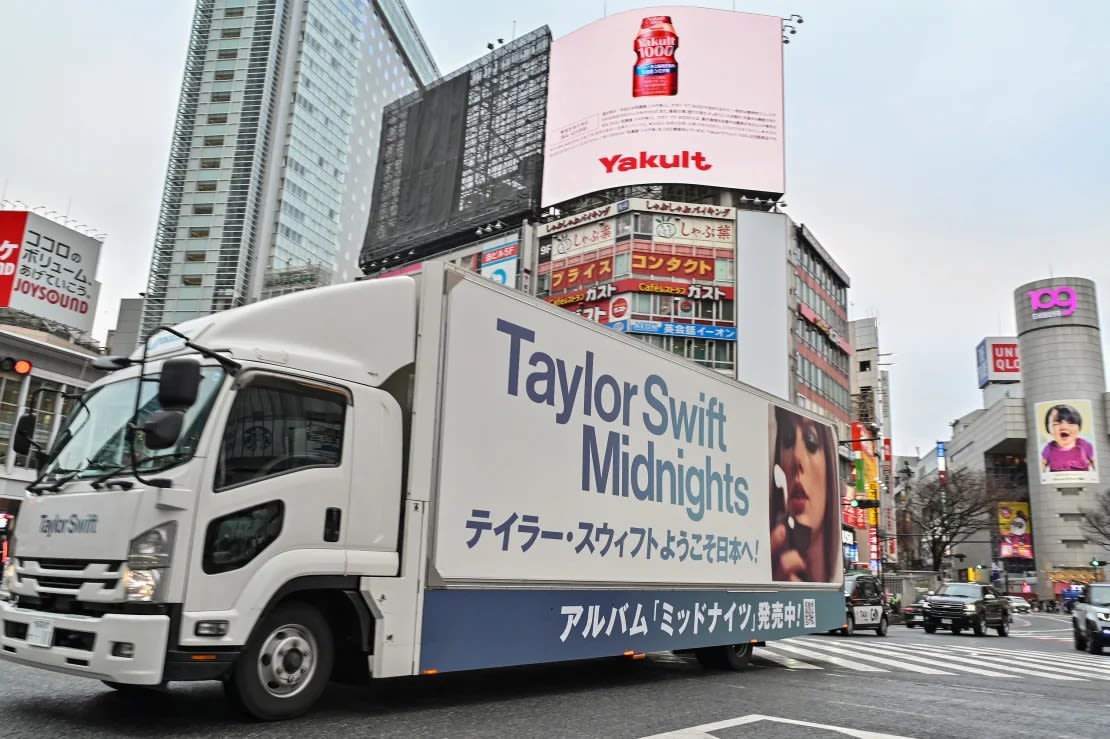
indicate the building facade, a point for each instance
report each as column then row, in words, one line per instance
column 274, row 148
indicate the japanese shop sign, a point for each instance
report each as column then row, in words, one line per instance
column 467, row 629
column 673, row 265
column 693, row 231
column 1052, row 302
column 48, row 270
column 823, row 326
column 565, row 278
column 579, row 240
column 650, row 472
column 499, row 263
column 664, row 328
column 677, row 289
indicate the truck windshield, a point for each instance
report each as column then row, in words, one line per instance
column 93, row 439
column 1100, row 595
column 959, row 591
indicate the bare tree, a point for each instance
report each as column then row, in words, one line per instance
column 950, row 513
column 1096, row 520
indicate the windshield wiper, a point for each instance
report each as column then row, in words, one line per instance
column 102, row 481
column 57, row 484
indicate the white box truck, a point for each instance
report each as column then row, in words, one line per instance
column 413, row 475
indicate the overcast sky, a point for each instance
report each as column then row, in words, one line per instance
column 943, row 151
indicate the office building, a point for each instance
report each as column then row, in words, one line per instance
column 271, row 167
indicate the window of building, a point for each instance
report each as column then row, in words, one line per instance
column 233, row 13
column 217, row 117
column 191, row 280
column 278, row 426
column 221, row 97
column 865, row 365
column 198, row 233
column 223, row 75
column 213, row 163
column 206, row 186
column 231, row 33
column 203, row 209
column 196, row 256
column 227, row 54
column 213, row 140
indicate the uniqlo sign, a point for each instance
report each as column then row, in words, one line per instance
column 48, row 270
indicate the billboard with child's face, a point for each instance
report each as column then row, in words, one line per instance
column 1066, row 440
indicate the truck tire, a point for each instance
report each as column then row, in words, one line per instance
column 929, row 628
column 980, row 625
column 286, row 665
column 737, row 656
column 882, row 627
column 1080, row 642
column 1094, row 640
column 1003, row 628
column 729, row 657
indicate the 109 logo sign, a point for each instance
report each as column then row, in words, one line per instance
column 1052, row 302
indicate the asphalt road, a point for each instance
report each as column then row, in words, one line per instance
column 908, row 684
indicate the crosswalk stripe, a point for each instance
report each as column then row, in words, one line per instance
column 872, row 658
column 783, row 660
column 826, row 658
column 913, row 656
column 1045, row 661
column 994, row 663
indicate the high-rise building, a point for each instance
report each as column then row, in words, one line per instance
column 271, row 168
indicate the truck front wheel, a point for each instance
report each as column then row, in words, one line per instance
column 286, row 664
column 728, row 657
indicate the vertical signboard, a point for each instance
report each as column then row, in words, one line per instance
column 1066, row 431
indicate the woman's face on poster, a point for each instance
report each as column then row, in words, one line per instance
column 802, row 457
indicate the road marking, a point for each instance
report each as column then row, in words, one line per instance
column 702, row 731
column 997, row 663
column 952, row 663
column 783, row 660
column 880, row 660
column 827, row 658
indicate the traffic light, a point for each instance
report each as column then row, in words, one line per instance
column 1098, row 562
column 864, row 503
column 17, row 365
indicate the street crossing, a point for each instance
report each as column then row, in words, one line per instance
column 862, row 655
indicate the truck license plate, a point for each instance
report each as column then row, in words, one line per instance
column 40, row 633
column 946, row 621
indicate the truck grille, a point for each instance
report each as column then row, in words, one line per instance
column 56, row 581
column 947, row 610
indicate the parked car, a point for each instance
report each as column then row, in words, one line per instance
column 1090, row 620
column 914, row 613
column 865, row 607
column 963, row 605
column 1018, row 604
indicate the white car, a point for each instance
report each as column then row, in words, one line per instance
column 1018, row 604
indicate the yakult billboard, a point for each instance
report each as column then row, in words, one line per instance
column 666, row 94
column 48, row 270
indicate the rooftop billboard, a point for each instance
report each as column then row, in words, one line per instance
column 666, row 95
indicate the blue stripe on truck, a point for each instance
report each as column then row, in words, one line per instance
column 474, row 629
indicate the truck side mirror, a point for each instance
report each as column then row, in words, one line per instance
column 24, row 430
column 179, row 383
column 163, row 428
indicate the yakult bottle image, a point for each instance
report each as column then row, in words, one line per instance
column 655, row 71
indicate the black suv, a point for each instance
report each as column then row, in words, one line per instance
column 964, row 605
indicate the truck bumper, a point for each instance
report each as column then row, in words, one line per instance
column 89, row 647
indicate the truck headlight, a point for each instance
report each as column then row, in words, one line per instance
column 148, row 559
column 970, row 608
column 8, row 579
column 1103, row 616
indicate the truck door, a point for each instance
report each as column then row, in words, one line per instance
column 280, row 491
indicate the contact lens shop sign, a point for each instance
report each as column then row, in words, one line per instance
column 599, row 462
